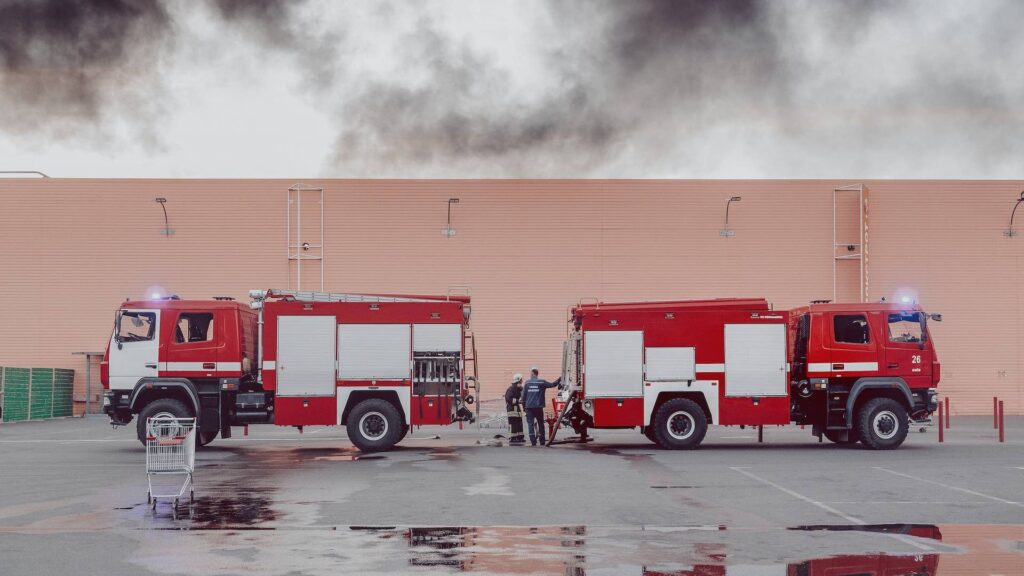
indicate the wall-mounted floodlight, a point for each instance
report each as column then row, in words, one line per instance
column 448, row 231
column 726, row 232
column 167, row 227
column 1010, row 232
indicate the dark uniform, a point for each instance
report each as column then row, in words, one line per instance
column 533, row 401
column 515, row 413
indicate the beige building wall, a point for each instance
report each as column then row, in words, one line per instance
column 71, row 250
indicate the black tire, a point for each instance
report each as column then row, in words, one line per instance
column 204, row 438
column 405, row 432
column 882, row 424
column 169, row 406
column 680, row 424
column 835, row 436
column 374, row 425
column 649, row 433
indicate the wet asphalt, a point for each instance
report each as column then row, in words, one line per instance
column 73, row 500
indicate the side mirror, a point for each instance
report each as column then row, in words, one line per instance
column 935, row 317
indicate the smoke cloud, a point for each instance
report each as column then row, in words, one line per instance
column 574, row 88
column 64, row 64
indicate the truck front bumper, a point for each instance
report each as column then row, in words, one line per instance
column 115, row 405
column 926, row 402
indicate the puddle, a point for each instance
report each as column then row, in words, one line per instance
column 442, row 452
column 919, row 530
column 348, row 457
column 564, row 550
column 249, row 508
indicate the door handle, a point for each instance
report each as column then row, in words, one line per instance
column 150, row 364
column 838, row 366
column 209, row 366
column 894, row 365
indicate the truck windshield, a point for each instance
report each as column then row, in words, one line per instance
column 135, row 326
column 906, row 327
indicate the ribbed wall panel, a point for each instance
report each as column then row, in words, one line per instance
column 72, row 249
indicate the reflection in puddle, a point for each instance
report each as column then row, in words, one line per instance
column 562, row 550
column 248, row 508
column 919, row 530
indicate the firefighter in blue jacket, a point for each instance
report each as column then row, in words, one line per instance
column 533, row 402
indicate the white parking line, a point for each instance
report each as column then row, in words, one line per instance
column 852, row 519
column 824, row 507
column 950, row 487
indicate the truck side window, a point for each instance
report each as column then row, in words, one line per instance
column 194, row 327
column 136, row 326
column 851, row 328
column 905, row 327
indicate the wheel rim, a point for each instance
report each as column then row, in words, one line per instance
column 681, row 425
column 885, row 424
column 373, row 426
column 163, row 424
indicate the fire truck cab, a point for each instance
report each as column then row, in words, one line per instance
column 377, row 364
column 858, row 372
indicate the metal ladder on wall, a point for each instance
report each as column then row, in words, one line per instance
column 473, row 373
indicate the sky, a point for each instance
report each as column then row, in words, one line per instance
column 513, row 88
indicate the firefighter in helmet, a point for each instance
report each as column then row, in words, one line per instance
column 513, row 406
column 533, row 402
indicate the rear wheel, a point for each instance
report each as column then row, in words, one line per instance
column 161, row 408
column 649, row 433
column 680, row 424
column 374, row 425
column 882, row 424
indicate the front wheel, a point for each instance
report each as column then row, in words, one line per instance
column 161, row 408
column 882, row 424
column 374, row 425
column 680, row 424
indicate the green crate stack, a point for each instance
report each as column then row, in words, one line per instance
column 41, row 400
column 16, row 391
column 63, row 383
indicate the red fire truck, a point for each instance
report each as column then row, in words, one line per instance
column 853, row 372
column 376, row 364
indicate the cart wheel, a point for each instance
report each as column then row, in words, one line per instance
column 153, row 504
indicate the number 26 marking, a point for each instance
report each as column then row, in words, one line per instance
column 915, row 359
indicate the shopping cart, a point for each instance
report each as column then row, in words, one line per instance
column 170, row 451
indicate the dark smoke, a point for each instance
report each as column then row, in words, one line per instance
column 466, row 109
column 63, row 63
column 652, row 64
column 280, row 25
column 270, row 20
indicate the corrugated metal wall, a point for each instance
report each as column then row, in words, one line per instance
column 73, row 249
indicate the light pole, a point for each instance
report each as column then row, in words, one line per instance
column 448, row 231
column 167, row 227
column 726, row 232
column 1010, row 232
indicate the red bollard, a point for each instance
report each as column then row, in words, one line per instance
column 947, row 411
column 941, row 437
column 1002, row 423
column 760, row 434
column 246, row 430
column 995, row 412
